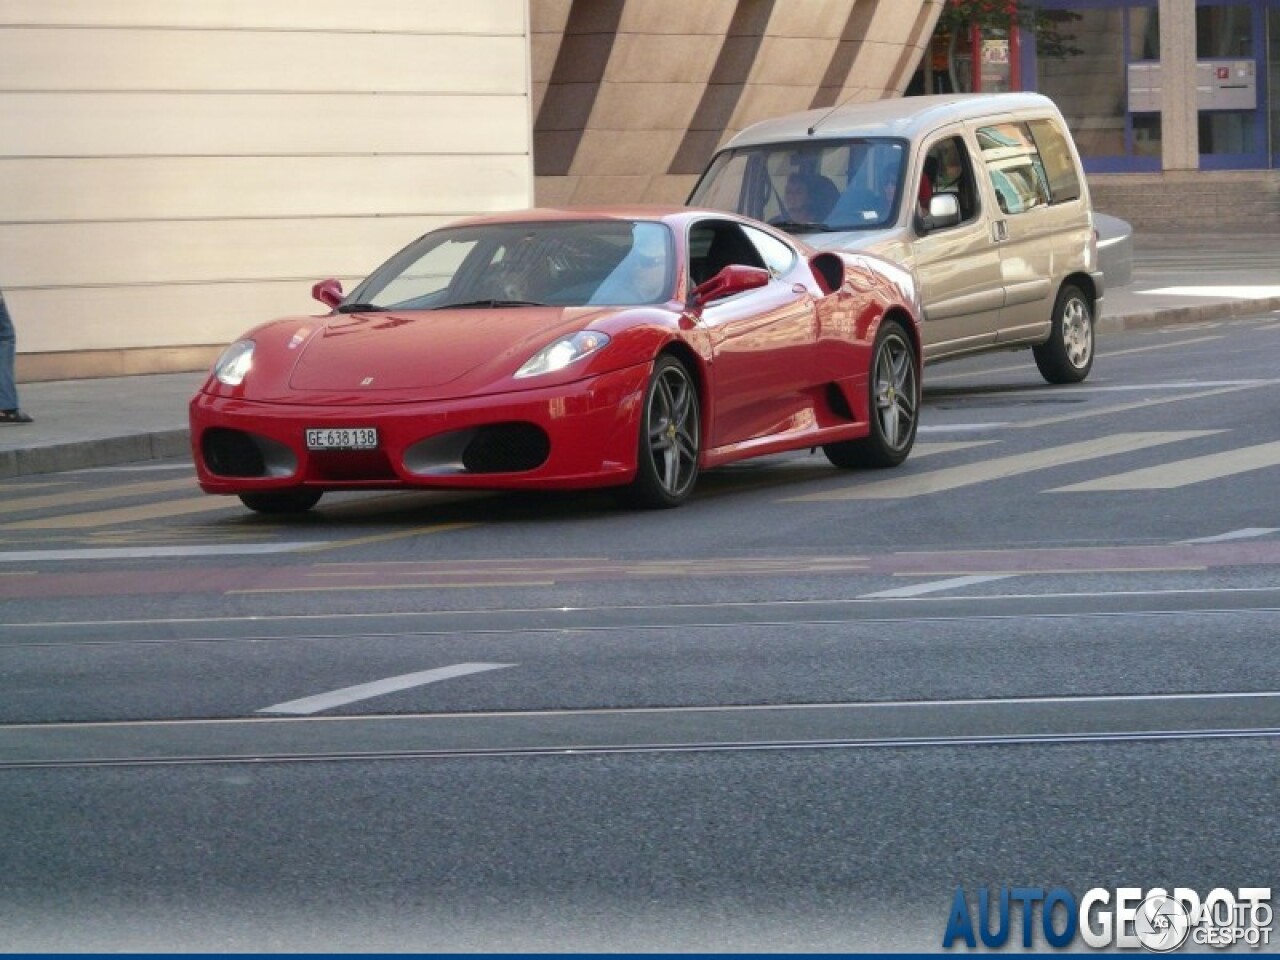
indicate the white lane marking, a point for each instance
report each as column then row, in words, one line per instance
column 961, row 427
column 1090, row 413
column 80, row 497
column 364, row 691
column 1243, row 292
column 1160, row 346
column 1055, row 392
column 103, row 518
column 934, row 586
column 870, row 706
column 411, row 615
column 1182, row 473
column 146, row 553
column 1175, row 385
column 932, row 378
column 1248, row 533
column 951, row 478
column 146, row 468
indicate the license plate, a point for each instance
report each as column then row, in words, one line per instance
column 342, row 438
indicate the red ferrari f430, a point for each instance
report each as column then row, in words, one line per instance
column 562, row 349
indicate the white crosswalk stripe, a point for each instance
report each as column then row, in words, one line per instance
column 996, row 468
column 1181, row 473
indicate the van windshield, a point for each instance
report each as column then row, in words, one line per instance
column 809, row 187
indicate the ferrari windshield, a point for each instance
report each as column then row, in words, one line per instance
column 557, row 263
column 810, row 186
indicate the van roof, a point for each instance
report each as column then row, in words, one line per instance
column 905, row 117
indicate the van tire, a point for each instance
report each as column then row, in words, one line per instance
column 1067, row 356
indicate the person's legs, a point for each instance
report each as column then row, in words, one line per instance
column 8, row 390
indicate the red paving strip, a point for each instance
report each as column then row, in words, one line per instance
column 1167, row 556
column 120, row 583
column 497, row 573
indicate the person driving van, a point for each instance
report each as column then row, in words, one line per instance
column 807, row 198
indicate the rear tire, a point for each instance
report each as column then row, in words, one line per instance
column 1067, row 356
column 893, row 383
column 298, row 500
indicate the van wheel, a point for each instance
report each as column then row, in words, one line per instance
column 1067, row 356
column 894, row 385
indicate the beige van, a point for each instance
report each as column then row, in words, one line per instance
column 982, row 195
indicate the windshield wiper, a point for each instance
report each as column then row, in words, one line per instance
column 362, row 308
column 488, row 304
column 792, row 225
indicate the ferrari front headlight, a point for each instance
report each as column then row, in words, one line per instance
column 566, row 350
column 233, row 366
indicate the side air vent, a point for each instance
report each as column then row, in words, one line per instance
column 506, row 448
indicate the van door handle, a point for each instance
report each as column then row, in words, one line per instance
column 999, row 230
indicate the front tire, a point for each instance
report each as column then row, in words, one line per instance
column 298, row 500
column 670, row 439
column 894, row 385
column 1067, row 356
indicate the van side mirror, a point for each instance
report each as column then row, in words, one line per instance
column 328, row 292
column 944, row 211
column 734, row 278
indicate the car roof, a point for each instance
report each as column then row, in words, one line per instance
column 904, row 117
column 551, row 214
column 675, row 217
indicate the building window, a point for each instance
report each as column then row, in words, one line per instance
column 1224, row 64
column 1089, row 88
column 1224, row 31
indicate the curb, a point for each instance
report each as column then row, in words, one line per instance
column 82, row 454
column 1173, row 316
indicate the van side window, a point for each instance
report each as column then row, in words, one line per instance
column 1059, row 164
column 1014, row 165
column 947, row 169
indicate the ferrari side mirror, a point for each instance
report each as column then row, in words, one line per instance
column 328, row 292
column 734, row 278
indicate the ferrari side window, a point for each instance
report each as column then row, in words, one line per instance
column 778, row 257
column 718, row 244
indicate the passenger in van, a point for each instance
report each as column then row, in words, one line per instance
column 887, row 186
column 950, row 171
column 927, row 179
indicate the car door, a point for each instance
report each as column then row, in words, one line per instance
column 958, row 266
column 1026, row 224
column 762, row 340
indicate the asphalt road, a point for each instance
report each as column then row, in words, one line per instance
column 795, row 714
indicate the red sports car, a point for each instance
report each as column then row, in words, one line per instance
column 625, row 348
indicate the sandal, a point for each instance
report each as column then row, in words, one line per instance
column 14, row 416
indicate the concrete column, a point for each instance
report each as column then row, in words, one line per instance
column 1179, row 116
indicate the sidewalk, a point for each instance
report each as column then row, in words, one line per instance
column 94, row 423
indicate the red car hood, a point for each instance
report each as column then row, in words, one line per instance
column 427, row 350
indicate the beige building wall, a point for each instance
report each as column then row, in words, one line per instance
column 175, row 171
column 633, row 96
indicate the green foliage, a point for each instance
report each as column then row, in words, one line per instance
column 1048, row 26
